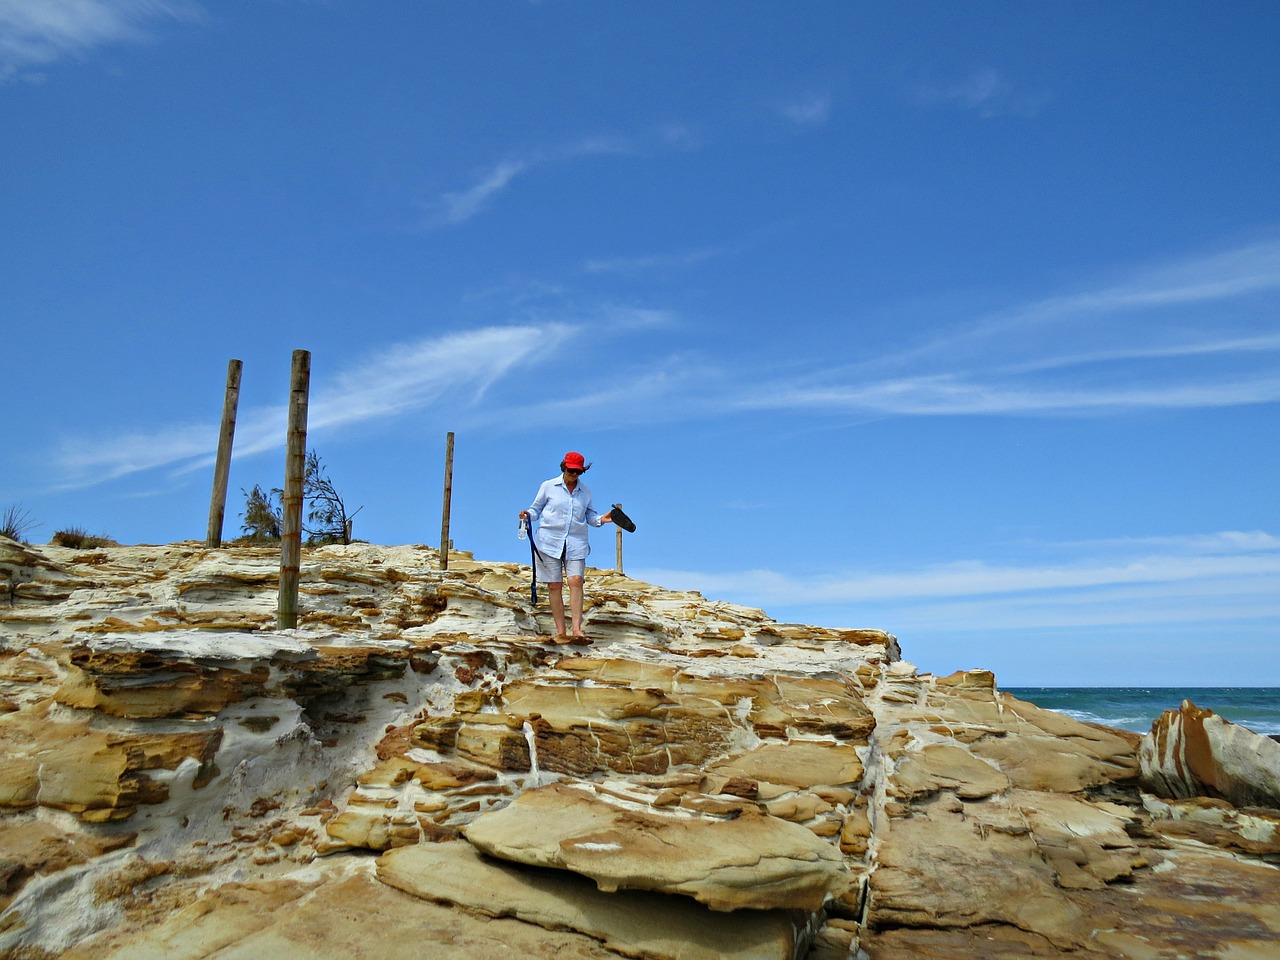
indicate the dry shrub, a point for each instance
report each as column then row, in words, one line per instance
column 15, row 522
column 77, row 538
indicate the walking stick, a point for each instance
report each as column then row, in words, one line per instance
column 533, row 561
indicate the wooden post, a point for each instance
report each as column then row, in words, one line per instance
column 222, row 466
column 295, row 457
column 618, row 531
column 448, row 495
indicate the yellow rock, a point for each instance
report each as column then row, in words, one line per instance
column 753, row 861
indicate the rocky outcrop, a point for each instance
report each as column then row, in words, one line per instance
column 728, row 855
column 64, row 763
column 330, row 914
column 179, row 779
column 633, row 924
column 1192, row 752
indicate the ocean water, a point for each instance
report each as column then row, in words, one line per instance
column 1136, row 708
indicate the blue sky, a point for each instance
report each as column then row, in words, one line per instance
column 955, row 320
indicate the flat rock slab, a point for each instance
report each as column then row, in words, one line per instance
column 797, row 764
column 348, row 918
column 219, row 645
column 750, row 861
column 638, row 924
column 1200, row 905
column 944, row 767
column 945, row 868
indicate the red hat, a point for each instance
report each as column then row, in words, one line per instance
column 574, row 461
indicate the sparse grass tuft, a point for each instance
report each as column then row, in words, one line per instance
column 77, row 538
column 16, row 522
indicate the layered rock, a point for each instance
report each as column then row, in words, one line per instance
column 729, row 856
column 63, row 763
column 330, row 915
column 634, row 924
column 1193, row 752
column 178, row 779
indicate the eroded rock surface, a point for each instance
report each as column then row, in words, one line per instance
column 1193, row 752
column 633, row 923
column 729, row 857
column 180, row 780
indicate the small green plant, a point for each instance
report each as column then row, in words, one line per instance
column 327, row 518
column 77, row 538
column 261, row 515
column 330, row 522
column 16, row 522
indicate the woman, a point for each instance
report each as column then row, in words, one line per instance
column 563, row 510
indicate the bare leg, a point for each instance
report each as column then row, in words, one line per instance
column 557, row 604
column 575, row 604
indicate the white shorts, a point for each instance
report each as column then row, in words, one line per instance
column 554, row 570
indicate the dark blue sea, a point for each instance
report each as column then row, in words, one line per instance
column 1135, row 708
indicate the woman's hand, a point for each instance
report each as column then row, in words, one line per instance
column 524, row 514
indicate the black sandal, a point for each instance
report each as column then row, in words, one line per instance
column 621, row 519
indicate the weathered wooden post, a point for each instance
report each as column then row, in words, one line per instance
column 618, row 532
column 222, row 465
column 295, row 457
column 448, row 495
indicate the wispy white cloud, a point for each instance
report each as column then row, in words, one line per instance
column 597, row 145
column 1025, row 362
column 1103, row 352
column 671, row 389
column 1231, row 575
column 1130, row 317
column 36, row 33
column 810, row 110
column 952, row 395
column 633, row 266
column 973, row 578
column 1265, row 343
column 985, row 92
column 681, row 136
column 1219, row 276
column 673, row 260
column 460, row 205
column 84, row 461
column 409, row 376
column 1225, row 541
column 979, row 90
column 1095, row 352
column 1181, row 605
column 1194, row 333
column 457, row 206
column 621, row 318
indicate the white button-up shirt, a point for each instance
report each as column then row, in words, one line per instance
column 563, row 518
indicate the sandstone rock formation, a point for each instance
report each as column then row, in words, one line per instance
column 633, row 924
column 415, row 771
column 1192, row 752
column 731, row 856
